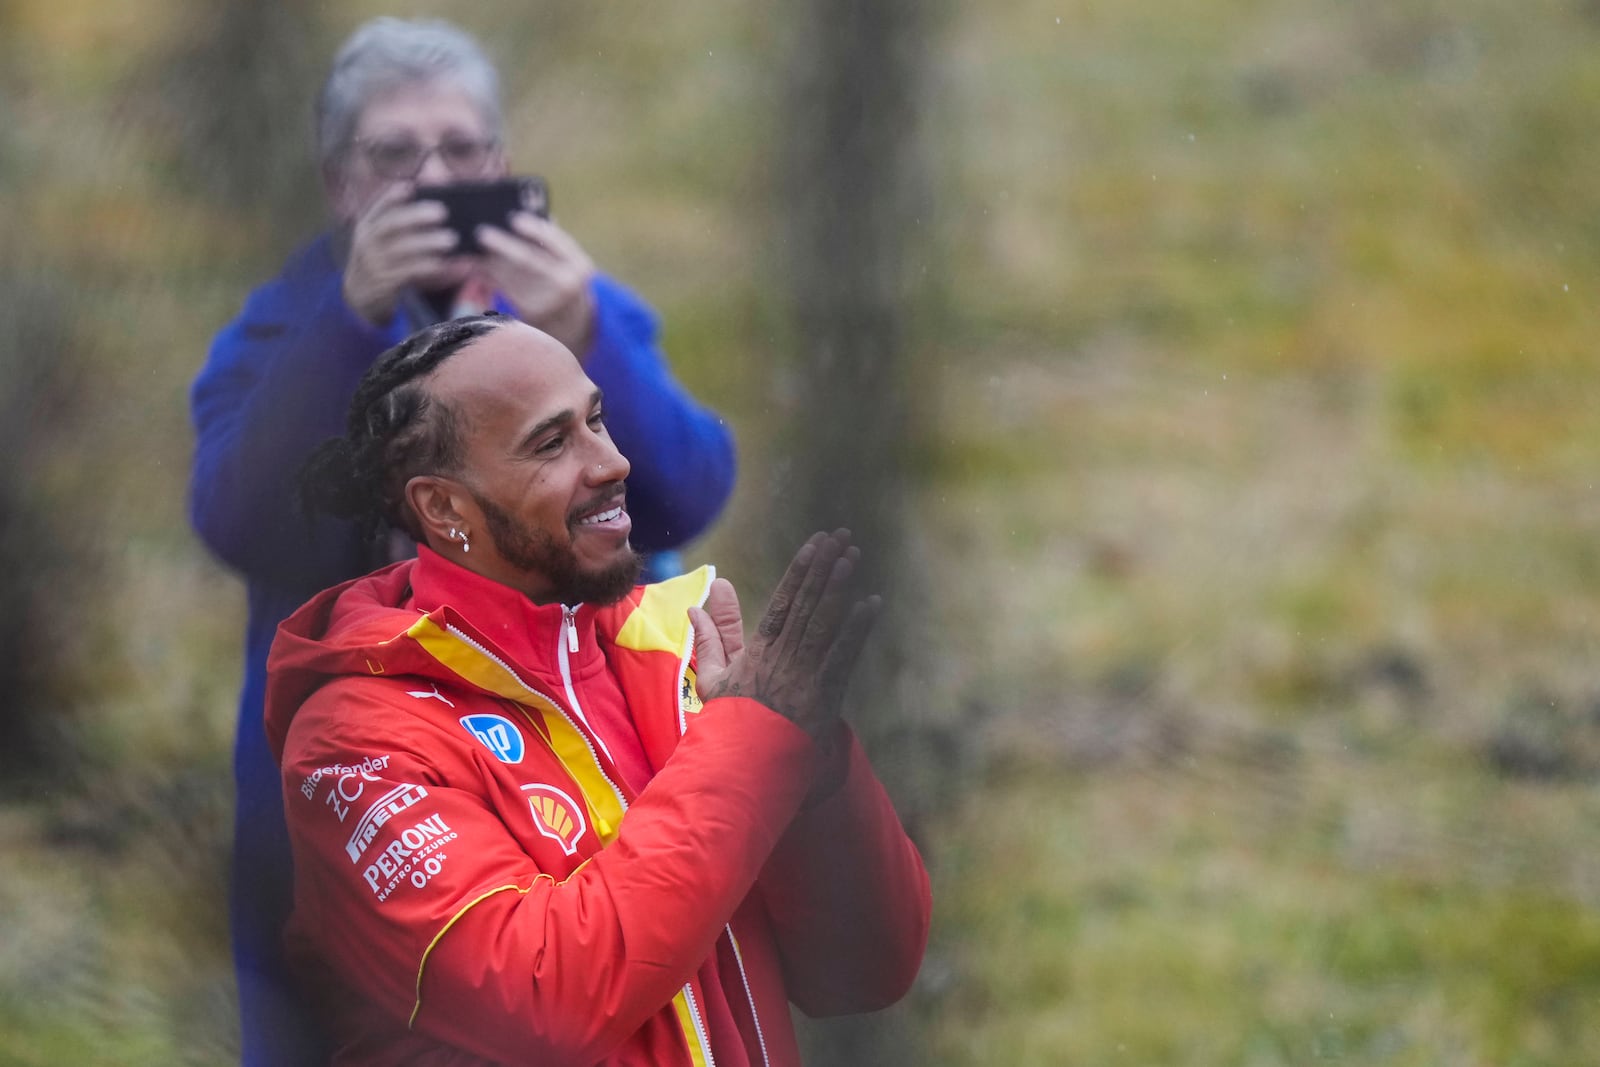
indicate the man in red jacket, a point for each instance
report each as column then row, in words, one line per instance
column 541, row 814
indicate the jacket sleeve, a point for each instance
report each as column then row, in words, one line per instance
column 849, row 899
column 442, row 917
column 276, row 383
column 682, row 453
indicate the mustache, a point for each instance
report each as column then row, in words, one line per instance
column 613, row 495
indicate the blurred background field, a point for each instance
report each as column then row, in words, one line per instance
column 1252, row 483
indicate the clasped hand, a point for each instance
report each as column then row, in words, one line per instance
column 799, row 661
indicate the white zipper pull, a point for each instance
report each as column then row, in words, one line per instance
column 569, row 617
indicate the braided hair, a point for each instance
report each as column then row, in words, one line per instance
column 394, row 431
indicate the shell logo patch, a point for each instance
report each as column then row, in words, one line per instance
column 556, row 816
column 688, row 696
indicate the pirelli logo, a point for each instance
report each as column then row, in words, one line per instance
column 383, row 809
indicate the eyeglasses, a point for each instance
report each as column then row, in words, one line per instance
column 402, row 158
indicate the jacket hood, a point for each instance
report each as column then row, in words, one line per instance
column 347, row 629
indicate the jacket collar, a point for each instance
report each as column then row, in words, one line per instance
column 531, row 635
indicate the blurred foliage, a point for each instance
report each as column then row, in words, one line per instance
column 1257, row 486
column 228, row 102
column 50, row 559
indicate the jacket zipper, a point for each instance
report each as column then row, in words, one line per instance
column 738, row 956
column 569, row 631
column 582, row 734
column 699, row 1024
column 569, row 624
column 755, row 1016
column 570, row 643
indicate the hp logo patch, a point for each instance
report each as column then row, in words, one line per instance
column 497, row 734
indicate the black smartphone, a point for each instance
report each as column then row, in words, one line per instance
column 473, row 203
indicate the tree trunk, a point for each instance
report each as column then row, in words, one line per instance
column 853, row 191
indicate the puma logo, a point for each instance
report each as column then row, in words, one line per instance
column 429, row 694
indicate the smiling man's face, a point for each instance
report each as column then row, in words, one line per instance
column 545, row 507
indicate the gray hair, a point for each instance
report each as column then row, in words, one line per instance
column 387, row 53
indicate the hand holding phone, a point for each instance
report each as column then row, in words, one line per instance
column 472, row 204
column 544, row 274
column 396, row 243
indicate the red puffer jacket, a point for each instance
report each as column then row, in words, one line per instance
column 475, row 881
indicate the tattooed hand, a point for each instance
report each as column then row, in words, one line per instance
column 801, row 656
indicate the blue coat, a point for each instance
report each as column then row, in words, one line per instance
column 277, row 382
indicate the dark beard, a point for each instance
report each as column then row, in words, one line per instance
column 537, row 551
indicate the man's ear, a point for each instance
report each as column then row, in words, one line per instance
column 444, row 509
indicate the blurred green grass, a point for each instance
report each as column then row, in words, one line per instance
column 1266, row 914
column 1256, row 479
column 1266, row 449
